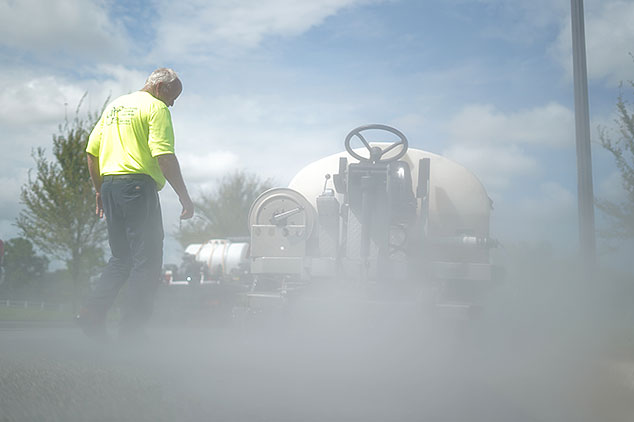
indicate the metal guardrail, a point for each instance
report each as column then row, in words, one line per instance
column 32, row 304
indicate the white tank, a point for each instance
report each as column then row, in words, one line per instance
column 221, row 257
column 458, row 203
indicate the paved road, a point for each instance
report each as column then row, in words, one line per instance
column 342, row 366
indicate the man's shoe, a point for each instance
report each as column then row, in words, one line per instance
column 92, row 324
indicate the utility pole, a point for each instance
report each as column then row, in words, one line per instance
column 585, row 193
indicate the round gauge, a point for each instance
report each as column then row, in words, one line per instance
column 282, row 207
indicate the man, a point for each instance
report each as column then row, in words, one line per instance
column 130, row 155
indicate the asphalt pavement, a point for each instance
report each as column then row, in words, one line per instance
column 352, row 365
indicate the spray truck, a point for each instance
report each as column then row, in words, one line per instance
column 379, row 219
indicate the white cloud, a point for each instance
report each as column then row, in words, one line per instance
column 609, row 40
column 38, row 100
column 519, row 22
column 495, row 166
column 10, row 185
column 118, row 79
column 267, row 150
column 196, row 27
column 204, row 167
column 48, row 28
column 550, row 125
column 8, row 229
column 410, row 123
column 496, row 145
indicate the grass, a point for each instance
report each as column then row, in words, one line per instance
column 34, row 314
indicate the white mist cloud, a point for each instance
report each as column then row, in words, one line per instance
column 70, row 27
column 554, row 201
column 550, row 214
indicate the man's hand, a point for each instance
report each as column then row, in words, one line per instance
column 188, row 207
column 99, row 206
column 172, row 171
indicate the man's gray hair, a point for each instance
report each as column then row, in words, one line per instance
column 161, row 75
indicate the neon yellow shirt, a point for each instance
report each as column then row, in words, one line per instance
column 133, row 130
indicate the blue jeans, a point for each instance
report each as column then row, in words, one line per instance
column 135, row 233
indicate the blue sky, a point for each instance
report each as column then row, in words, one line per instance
column 270, row 86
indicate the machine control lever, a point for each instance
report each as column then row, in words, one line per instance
column 279, row 219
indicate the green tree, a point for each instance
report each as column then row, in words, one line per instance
column 21, row 264
column 59, row 203
column 620, row 143
column 224, row 212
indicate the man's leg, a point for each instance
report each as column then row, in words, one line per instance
column 93, row 314
column 144, row 231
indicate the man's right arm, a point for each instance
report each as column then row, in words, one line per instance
column 95, row 176
column 172, row 171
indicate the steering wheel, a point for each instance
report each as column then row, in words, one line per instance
column 376, row 152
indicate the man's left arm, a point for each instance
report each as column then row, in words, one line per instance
column 95, row 176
